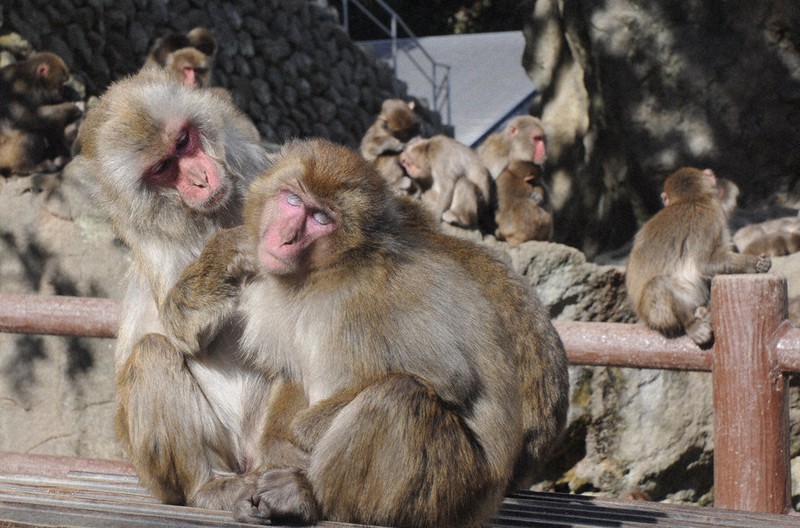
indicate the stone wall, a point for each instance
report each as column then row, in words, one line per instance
column 289, row 63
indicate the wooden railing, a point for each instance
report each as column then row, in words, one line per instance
column 755, row 347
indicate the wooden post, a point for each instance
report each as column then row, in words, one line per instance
column 751, row 420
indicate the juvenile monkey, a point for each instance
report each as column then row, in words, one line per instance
column 171, row 165
column 435, row 379
column 523, row 139
column 523, row 208
column 777, row 237
column 385, row 139
column 461, row 189
column 34, row 112
column 677, row 252
column 189, row 58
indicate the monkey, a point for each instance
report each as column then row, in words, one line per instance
column 189, row 58
column 523, row 209
column 460, row 188
column 677, row 252
column 776, row 238
column 34, row 112
column 523, row 138
column 435, row 378
column 395, row 125
column 171, row 164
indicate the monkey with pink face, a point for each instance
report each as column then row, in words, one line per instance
column 171, row 164
column 435, row 379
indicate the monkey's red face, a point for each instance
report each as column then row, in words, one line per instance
column 539, row 149
column 293, row 225
column 188, row 169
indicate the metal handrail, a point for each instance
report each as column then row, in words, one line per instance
column 440, row 82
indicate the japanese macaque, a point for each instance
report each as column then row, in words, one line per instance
column 189, row 58
column 777, row 238
column 677, row 252
column 461, row 191
column 523, row 138
column 435, row 378
column 523, row 208
column 171, row 165
column 34, row 112
column 385, row 139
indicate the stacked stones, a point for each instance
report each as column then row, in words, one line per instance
column 289, row 63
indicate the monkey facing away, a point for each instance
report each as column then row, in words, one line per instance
column 523, row 209
column 385, row 139
column 34, row 111
column 435, row 378
column 677, row 252
column 523, row 138
column 171, row 165
column 460, row 187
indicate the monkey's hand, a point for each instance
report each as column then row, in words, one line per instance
column 207, row 292
column 283, row 496
column 764, row 263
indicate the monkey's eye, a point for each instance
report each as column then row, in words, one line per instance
column 185, row 142
column 293, row 199
column 322, row 218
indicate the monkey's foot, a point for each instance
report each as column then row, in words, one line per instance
column 700, row 329
column 764, row 263
column 281, row 496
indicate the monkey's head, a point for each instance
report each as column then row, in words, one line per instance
column 528, row 139
column 415, row 159
column 689, row 183
column 165, row 154
column 318, row 206
column 48, row 73
column 190, row 66
column 398, row 119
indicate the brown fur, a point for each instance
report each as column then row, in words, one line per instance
column 34, row 113
column 523, row 207
column 435, row 379
column 191, row 422
column 385, row 139
column 776, row 238
column 459, row 185
column 677, row 252
column 516, row 142
column 197, row 50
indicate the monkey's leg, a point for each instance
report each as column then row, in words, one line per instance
column 397, row 455
column 671, row 307
column 171, row 433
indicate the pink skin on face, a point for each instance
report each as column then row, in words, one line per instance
column 292, row 227
column 190, row 170
column 539, row 151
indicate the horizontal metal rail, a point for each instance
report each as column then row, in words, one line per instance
column 754, row 348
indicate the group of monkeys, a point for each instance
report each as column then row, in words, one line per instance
column 498, row 188
column 299, row 340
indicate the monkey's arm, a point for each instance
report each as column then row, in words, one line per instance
column 207, row 291
column 45, row 117
column 726, row 262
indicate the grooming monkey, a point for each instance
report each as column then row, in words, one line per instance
column 459, row 186
column 522, row 139
column 171, row 164
column 34, row 111
column 435, row 378
column 385, row 139
column 523, row 207
column 676, row 254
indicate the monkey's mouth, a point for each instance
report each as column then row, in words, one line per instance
column 215, row 200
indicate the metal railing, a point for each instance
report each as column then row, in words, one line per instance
column 436, row 73
column 755, row 348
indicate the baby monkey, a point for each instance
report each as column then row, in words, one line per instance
column 435, row 378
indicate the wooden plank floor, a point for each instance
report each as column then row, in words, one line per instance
column 67, row 492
